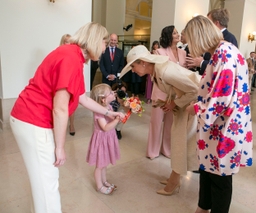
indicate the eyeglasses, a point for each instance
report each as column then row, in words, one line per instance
column 104, row 96
column 111, row 93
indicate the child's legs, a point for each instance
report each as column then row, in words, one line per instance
column 100, row 176
column 104, row 175
column 119, row 126
column 97, row 177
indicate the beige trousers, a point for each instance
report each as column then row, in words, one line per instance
column 37, row 147
column 183, row 142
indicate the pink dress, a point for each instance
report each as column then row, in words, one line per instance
column 104, row 147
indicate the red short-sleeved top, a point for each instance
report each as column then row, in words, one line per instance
column 61, row 69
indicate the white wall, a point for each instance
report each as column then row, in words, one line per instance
column 185, row 10
column 236, row 9
column 175, row 12
column 115, row 16
column 99, row 12
column 29, row 31
column 162, row 15
column 1, row 80
column 242, row 23
column 129, row 20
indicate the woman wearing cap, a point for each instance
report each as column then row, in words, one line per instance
column 181, row 86
column 40, row 115
column 224, row 135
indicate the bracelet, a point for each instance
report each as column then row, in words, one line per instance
column 106, row 113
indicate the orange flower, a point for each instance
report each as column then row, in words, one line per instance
column 135, row 104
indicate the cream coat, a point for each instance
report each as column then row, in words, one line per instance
column 161, row 122
column 180, row 85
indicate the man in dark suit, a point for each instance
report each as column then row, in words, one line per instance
column 220, row 17
column 111, row 62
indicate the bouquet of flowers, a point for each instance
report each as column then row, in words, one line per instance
column 135, row 105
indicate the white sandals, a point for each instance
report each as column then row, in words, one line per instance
column 106, row 190
column 107, row 184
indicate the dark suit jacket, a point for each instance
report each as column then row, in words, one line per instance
column 108, row 67
column 228, row 36
column 207, row 57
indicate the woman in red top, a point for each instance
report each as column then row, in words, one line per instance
column 40, row 115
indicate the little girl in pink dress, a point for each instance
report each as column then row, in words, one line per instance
column 104, row 147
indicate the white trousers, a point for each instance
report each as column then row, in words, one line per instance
column 37, row 147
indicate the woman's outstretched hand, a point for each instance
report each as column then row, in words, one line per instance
column 60, row 156
column 168, row 106
column 190, row 108
column 118, row 114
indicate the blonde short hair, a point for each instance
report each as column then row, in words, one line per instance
column 64, row 38
column 90, row 37
column 202, row 35
column 99, row 92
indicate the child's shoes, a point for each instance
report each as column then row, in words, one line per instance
column 107, row 184
column 106, row 190
column 119, row 134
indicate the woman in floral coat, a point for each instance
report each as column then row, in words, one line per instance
column 224, row 135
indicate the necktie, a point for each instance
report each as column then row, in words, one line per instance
column 112, row 53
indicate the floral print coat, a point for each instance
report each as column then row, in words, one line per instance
column 224, row 134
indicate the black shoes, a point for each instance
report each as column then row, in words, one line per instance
column 72, row 133
column 118, row 134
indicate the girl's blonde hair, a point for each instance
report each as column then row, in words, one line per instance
column 63, row 38
column 202, row 35
column 90, row 37
column 99, row 92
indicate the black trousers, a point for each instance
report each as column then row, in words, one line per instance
column 215, row 192
column 253, row 80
